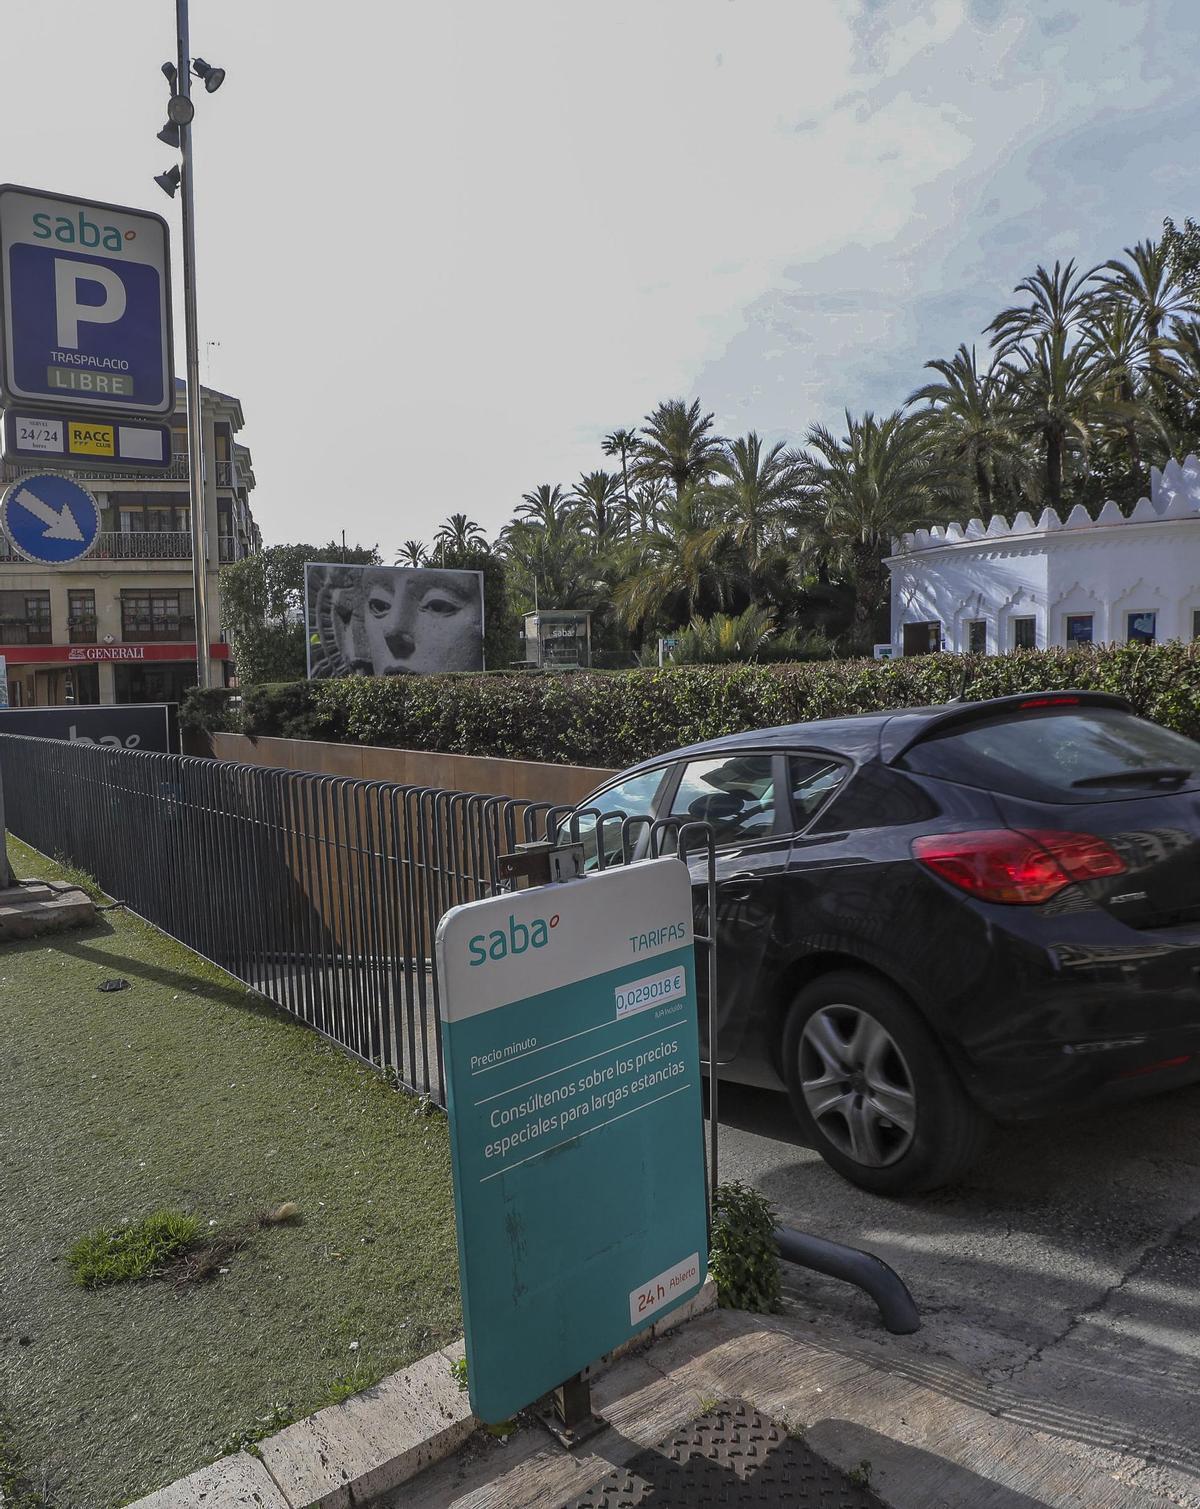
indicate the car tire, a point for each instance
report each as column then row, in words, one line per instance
column 872, row 1089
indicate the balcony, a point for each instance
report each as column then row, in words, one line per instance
column 25, row 631
column 13, row 471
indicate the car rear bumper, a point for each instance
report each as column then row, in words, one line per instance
column 1095, row 1013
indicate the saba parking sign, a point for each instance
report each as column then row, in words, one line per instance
column 85, row 301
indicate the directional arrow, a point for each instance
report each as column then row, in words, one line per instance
column 60, row 522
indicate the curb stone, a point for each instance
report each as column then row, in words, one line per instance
column 348, row 1454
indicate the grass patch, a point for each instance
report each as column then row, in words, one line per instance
column 189, row 1093
column 118, row 1254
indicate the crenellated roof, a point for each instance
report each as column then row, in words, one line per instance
column 1174, row 494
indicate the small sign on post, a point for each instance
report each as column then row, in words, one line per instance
column 573, row 1071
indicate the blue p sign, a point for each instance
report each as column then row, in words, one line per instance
column 86, row 296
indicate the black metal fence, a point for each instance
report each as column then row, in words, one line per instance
column 321, row 892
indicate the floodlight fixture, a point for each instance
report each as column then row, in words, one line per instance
column 170, row 72
column 213, row 77
column 169, row 135
column 168, row 182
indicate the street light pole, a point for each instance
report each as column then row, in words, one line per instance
column 183, row 87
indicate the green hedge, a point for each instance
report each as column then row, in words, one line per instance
column 615, row 718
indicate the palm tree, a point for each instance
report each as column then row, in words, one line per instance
column 1060, row 301
column 723, row 637
column 623, row 443
column 648, row 499
column 459, row 534
column 1148, row 285
column 686, row 558
column 544, row 505
column 596, row 494
column 752, row 490
column 879, row 480
column 412, row 553
column 675, row 445
column 970, row 418
column 1122, row 349
column 1057, row 392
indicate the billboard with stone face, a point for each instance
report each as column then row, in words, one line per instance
column 392, row 620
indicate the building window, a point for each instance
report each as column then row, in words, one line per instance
column 1024, row 633
column 1079, row 628
column 922, row 639
column 25, row 618
column 153, row 614
column 977, row 636
column 81, row 617
column 1140, row 627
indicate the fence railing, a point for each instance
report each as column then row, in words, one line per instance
column 321, row 892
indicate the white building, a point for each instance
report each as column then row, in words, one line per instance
column 1119, row 578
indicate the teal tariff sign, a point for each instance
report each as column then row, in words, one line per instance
column 576, row 1127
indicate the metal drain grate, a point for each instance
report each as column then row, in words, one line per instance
column 733, row 1458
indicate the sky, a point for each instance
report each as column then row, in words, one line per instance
column 444, row 247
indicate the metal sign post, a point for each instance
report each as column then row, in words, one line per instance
column 573, row 1076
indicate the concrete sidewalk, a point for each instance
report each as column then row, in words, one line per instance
column 915, row 1437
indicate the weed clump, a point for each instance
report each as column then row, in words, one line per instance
column 119, row 1254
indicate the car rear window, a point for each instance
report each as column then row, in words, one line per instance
column 1042, row 755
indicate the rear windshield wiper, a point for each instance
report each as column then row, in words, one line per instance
column 1160, row 775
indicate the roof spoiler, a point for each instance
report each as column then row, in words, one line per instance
column 900, row 733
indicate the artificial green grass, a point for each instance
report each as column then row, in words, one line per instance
column 117, row 1254
column 189, row 1093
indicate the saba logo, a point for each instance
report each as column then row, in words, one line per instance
column 518, row 937
column 82, row 232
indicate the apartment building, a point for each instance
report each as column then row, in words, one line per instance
column 119, row 626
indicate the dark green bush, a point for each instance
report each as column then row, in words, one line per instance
column 612, row 718
column 744, row 1260
column 213, row 710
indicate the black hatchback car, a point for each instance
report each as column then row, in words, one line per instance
column 935, row 918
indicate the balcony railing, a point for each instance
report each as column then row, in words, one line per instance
column 13, row 471
column 145, row 545
column 20, row 631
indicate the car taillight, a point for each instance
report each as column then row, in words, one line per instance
column 1019, row 869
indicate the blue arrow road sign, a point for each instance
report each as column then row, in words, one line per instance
column 51, row 520
column 85, row 304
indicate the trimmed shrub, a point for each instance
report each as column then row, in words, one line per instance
column 744, row 1260
column 614, row 718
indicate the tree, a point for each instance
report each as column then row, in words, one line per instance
column 623, row 443
column 1060, row 301
column 970, row 419
column 1149, row 284
column 262, row 607
column 750, row 494
column 457, row 534
column 685, row 562
column 596, row 494
column 676, row 445
column 1056, row 386
column 877, row 481
column 412, row 553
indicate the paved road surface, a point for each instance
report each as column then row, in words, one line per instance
column 1059, row 1286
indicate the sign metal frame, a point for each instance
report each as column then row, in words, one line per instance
column 86, row 461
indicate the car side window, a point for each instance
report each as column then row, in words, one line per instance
column 735, row 793
column 811, row 780
column 633, row 798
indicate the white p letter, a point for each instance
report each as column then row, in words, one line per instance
column 67, row 278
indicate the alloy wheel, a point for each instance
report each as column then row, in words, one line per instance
column 857, row 1086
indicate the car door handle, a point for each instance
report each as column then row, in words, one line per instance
column 739, row 887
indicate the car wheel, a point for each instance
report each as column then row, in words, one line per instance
column 873, row 1090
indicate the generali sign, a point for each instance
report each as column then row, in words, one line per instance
column 66, row 654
